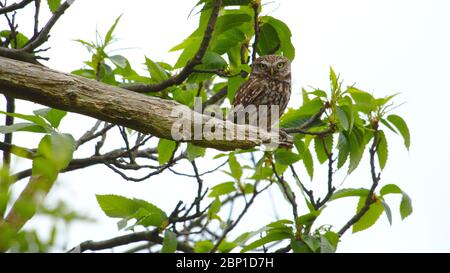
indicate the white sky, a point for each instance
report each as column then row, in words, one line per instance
column 383, row 46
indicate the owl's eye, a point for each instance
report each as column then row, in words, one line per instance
column 262, row 66
column 280, row 65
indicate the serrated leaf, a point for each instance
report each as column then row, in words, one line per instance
column 333, row 80
column 370, row 217
column 296, row 117
column 53, row 5
column 109, row 34
column 212, row 60
column 116, row 206
column 53, row 116
column 343, row 118
column 271, row 237
column 166, row 149
column 356, row 147
column 361, row 192
column 312, row 242
column 157, row 73
column 344, row 150
column 364, row 101
column 204, row 246
column 389, row 189
column 284, row 35
column 405, row 206
column 306, row 155
column 235, row 167
column 170, row 242
column 387, row 210
column 402, row 127
column 299, row 247
column 323, row 147
column 214, row 209
column 286, row 157
column 195, row 151
column 22, row 127
column 222, row 189
column 329, row 242
column 382, row 149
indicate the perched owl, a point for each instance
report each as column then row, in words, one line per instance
column 269, row 84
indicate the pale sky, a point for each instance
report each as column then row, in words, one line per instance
column 383, row 46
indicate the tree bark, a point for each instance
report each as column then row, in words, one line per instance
column 146, row 114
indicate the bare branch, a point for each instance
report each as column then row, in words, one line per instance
column 15, row 6
column 148, row 236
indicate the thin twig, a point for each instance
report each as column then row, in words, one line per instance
column 188, row 69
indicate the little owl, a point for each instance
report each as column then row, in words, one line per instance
column 269, row 84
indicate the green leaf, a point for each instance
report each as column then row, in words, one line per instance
column 268, row 42
column 53, row 116
column 312, row 242
column 109, row 35
column 226, row 247
column 32, row 118
column 389, row 189
column 343, row 118
column 364, row 101
column 308, row 219
column 344, row 150
column 157, row 73
column 405, row 206
column 222, row 189
column 166, row 148
column 402, row 127
column 356, row 147
column 333, row 80
column 169, row 242
column 329, row 242
column 387, row 210
column 370, row 217
column 323, row 147
column 231, row 21
column 286, row 157
column 300, row 247
column 361, row 192
column 233, row 85
column 212, row 60
column 271, row 237
column 214, row 209
column 295, row 118
column 195, row 151
column 53, row 5
column 86, row 73
column 117, row 206
column 235, row 167
column 382, row 149
column 284, row 35
column 203, row 246
column 22, row 127
column 306, row 155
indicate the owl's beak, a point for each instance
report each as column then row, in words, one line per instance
column 272, row 72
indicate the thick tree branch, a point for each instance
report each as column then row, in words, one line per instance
column 149, row 236
column 189, row 68
column 145, row 114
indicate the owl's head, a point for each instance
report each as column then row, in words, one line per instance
column 272, row 66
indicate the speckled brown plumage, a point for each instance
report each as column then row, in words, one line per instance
column 269, row 84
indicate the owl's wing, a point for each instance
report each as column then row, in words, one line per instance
column 250, row 92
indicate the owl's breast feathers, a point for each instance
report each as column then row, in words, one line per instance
column 263, row 91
